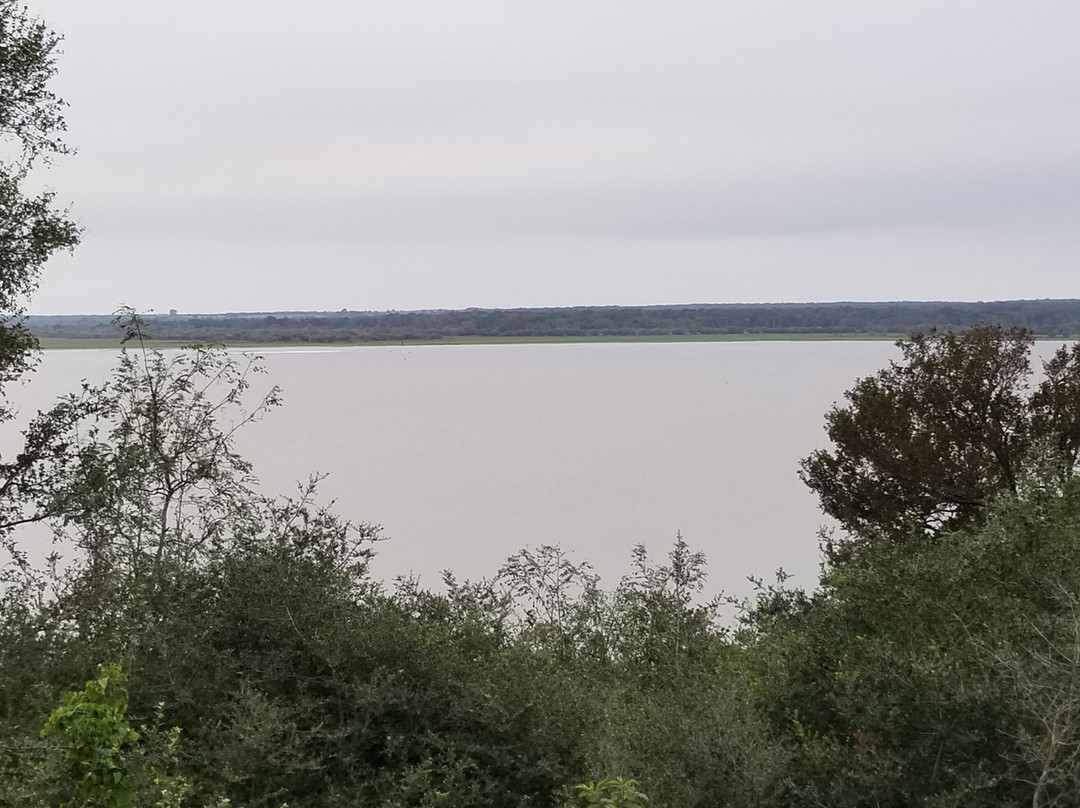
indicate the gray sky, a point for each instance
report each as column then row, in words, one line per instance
column 242, row 155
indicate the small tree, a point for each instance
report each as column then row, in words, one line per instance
column 96, row 742
column 94, row 758
column 152, row 478
column 618, row 792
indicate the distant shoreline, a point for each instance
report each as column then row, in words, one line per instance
column 99, row 343
column 690, row 323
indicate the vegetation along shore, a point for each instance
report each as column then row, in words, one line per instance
column 1045, row 318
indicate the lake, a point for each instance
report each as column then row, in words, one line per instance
column 465, row 454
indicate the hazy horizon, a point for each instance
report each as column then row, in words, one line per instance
column 571, row 306
column 410, row 156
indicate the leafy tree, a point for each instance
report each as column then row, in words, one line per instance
column 552, row 595
column 147, row 482
column 225, row 604
column 1056, row 409
column 926, row 443
column 31, row 227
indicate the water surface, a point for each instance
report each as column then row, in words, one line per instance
column 465, row 454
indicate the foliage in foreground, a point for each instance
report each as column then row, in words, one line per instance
column 292, row 676
column 931, row 672
column 939, row 670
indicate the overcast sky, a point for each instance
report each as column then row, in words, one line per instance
column 244, row 155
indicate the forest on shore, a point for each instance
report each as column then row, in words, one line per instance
column 1045, row 318
column 187, row 641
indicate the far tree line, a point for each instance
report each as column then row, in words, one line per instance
column 1047, row 318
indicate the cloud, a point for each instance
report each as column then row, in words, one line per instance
column 399, row 128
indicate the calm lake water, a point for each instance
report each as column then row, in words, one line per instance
column 465, row 454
